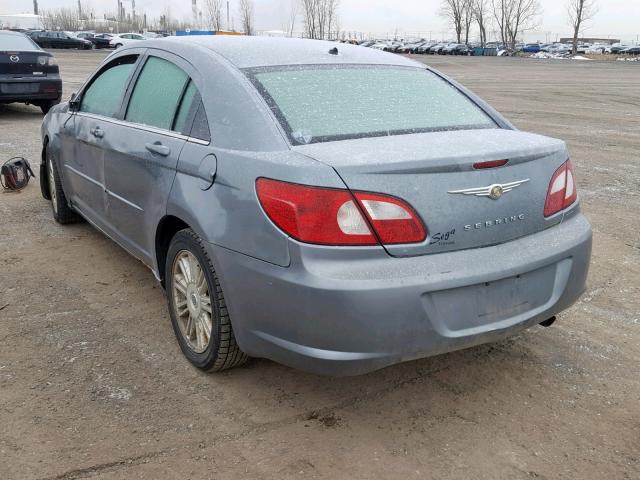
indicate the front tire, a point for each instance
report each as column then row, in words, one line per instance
column 62, row 212
column 197, row 307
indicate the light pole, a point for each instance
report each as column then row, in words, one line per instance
column 35, row 7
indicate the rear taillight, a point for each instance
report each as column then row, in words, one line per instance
column 47, row 61
column 329, row 216
column 562, row 191
column 392, row 219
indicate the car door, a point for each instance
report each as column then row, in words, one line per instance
column 141, row 166
column 57, row 40
column 44, row 39
column 89, row 131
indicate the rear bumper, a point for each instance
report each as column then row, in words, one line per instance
column 30, row 89
column 350, row 311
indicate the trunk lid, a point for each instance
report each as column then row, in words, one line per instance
column 18, row 64
column 426, row 169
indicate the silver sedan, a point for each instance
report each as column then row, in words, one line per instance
column 299, row 201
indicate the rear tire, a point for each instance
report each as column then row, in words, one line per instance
column 197, row 307
column 62, row 212
column 46, row 106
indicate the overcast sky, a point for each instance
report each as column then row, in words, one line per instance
column 615, row 18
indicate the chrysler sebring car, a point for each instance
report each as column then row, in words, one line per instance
column 299, row 203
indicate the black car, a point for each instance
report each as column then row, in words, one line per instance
column 48, row 39
column 27, row 73
column 99, row 41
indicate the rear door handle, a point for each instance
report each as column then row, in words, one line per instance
column 97, row 132
column 158, row 149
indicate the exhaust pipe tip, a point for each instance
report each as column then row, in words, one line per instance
column 548, row 323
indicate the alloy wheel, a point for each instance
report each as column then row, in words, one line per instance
column 192, row 301
column 52, row 185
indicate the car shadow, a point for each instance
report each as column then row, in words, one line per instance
column 472, row 375
column 18, row 111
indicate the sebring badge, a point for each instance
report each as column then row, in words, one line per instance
column 494, row 191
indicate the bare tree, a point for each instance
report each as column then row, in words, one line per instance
column 580, row 12
column 309, row 11
column 467, row 20
column 454, row 12
column 514, row 17
column 499, row 10
column 213, row 10
column 246, row 16
column 481, row 15
column 292, row 17
column 320, row 17
column 61, row 19
column 331, row 14
column 525, row 17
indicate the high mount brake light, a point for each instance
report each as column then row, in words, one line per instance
column 330, row 216
column 490, row 164
column 562, row 191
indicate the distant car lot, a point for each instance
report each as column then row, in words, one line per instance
column 451, row 48
column 96, row 385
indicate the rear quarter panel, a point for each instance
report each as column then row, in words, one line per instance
column 229, row 214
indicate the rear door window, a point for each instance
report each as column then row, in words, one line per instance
column 157, row 94
column 104, row 94
column 191, row 119
column 182, row 118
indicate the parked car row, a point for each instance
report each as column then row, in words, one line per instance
column 420, row 47
column 449, row 48
column 583, row 48
column 85, row 40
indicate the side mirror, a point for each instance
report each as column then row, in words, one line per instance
column 74, row 102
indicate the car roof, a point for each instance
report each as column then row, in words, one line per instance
column 250, row 51
column 9, row 33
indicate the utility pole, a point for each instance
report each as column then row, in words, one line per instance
column 228, row 23
column 80, row 9
column 35, row 7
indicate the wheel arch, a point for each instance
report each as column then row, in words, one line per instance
column 44, row 184
column 168, row 226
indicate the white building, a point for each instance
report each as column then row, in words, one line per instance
column 20, row 20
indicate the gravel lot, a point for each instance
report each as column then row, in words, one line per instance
column 92, row 382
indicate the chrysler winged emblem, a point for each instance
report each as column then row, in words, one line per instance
column 494, row 191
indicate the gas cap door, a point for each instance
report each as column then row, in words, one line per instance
column 207, row 171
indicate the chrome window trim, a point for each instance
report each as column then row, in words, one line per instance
column 146, row 128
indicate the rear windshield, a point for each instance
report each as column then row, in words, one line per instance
column 322, row 103
column 16, row 43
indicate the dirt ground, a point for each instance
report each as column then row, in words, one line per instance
column 93, row 384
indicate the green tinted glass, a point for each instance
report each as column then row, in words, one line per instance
column 185, row 107
column 104, row 95
column 156, row 95
column 323, row 103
